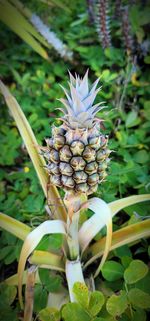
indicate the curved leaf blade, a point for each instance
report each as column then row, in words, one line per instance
column 12, row 18
column 102, row 216
column 30, row 244
column 126, row 235
column 13, row 226
column 95, row 223
column 57, row 207
column 118, row 205
column 50, row 260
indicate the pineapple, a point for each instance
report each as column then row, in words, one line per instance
column 77, row 154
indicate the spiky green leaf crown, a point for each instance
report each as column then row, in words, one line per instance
column 79, row 111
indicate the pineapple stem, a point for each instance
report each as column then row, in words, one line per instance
column 73, row 274
column 72, row 238
column 74, row 203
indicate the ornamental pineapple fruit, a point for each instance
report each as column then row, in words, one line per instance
column 77, row 154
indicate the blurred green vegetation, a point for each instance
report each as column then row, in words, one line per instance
column 35, row 83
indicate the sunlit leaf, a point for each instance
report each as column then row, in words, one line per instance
column 31, row 145
column 32, row 241
column 139, row 298
column 82, row 294
column 13, row 226
column 126, row 235
column 47, row 259
column 118, row 205
column 13, row 280
column 102, row 216
column 12, row 18
column 49, row 314
column 117, row 304
column 96, row 302
column 74, row 312
column 141, row 270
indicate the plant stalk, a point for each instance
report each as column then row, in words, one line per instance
column 74, row 203
column 73, row 274
column 29, row 293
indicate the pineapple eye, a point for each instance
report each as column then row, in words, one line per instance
column 78, row 163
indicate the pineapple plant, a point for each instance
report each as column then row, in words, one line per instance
column 77, row 154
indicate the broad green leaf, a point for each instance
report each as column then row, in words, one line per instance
column 144, row 283
column 112, row 271
column 13, row 226
column 51, row 242
column 139, row 315
column 7, row 294
column 117, row 304
column 81, row 293
column 141, row 157
column 123, row 251
column 126, row 235
column 102, row 216
column 135, row 271
column 126, row 260
column 139, row 299
column 51, row 282
column 108, row 318
column 40, row 297
column 74, row 312
column 30, row 244
column 103, row 319
column 96, row 302
column 118, row 205
column 32, row 148
column 49, row 314
column 132, row 119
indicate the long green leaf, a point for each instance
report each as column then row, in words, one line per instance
column 21, row 11
column 118, row 205
column 51, row 260
column 11, row 19
column 13, row 226
column 95, row 223
column 102, row 216
column 14, row 20
column 126, row 235
column 13, row 280
column 57, row 208
column 30, row 243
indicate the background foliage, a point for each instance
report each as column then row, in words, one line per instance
column 35, row 83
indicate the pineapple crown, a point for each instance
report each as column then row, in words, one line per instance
column 79, row 111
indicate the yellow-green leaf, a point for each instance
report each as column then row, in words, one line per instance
column 118, row 205
column 13, row 226
column 141, row 270
column 126, row 235
column 102, row 216
column 31, row 145
column 30, row 243
column 12, row 18
column 47, row 260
